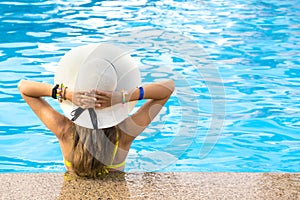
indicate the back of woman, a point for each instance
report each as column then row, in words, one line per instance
column 93, row 151
column 96, row 131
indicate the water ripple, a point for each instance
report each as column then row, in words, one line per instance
column 253, row 44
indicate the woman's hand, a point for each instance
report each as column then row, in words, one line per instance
column 95, row 99
column 106, row 99
column 84, row 99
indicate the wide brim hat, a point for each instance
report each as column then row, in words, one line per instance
column 98, row 66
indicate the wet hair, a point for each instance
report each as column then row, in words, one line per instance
column 92, row 150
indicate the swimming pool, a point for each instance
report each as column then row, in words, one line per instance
column 236, row 67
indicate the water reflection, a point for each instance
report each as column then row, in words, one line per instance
column 185, row 186
column 111, row 186
column 253, row 44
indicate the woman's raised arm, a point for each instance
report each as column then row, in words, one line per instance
column 32, row 92
column 158, row 94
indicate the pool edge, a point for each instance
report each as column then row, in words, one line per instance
column 168, row 185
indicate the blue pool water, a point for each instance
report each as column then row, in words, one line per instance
column 236, row 66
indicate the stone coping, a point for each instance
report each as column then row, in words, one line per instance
column 152, row 185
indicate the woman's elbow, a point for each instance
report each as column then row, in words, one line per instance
column 171, row 86
column 22, row 85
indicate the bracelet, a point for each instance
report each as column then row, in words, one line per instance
column 124, row 93
column 141, row 93
column 64, row 93
column 54, row 91
column 59, row 91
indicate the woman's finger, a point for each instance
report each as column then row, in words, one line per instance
column 101, row 98
column 88, row 97
column 94, row 98
column 102, row 93
column 98, row 106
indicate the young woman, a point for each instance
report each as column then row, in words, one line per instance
column 89, row 152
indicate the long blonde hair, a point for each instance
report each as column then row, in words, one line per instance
column 92, row 150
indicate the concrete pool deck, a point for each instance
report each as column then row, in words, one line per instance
column 171, row 185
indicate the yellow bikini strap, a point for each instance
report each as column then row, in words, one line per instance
column 67, row 163
column 116, row 147
column 117, row 165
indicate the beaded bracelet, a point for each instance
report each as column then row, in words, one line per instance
column 124, row 93
column 59, row 93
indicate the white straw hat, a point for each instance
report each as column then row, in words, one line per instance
column 97, row 66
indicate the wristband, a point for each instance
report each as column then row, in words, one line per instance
column 141, row 93
column 54, row 91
